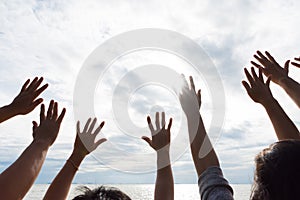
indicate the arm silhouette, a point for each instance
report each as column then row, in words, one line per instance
column 160, row 142
column 17, row 179
column 279, row 75
column 25, row 101
column 84, row 144
column 259, row 91
column 199, row 140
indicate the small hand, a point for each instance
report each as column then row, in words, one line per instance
column 85, row 140
column 25, row 101
column 49, row 125
column 271, row 67
column 160, row 136
column 258, row 91
column 297, row 64
column 190, row 100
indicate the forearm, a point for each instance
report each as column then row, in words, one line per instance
column 16, row 180
column 164, row 186
column 60, row 186
column 283, row 125
column 6, row 112
column 199, row 140
column 292, row 88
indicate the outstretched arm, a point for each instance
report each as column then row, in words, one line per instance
column 160, row 142
column 260, row 92
column 84, row 144
column 25, row 101
column 17, row 179
column 278, row 74
column 191, row 102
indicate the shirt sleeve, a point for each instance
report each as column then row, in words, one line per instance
column 213, row 186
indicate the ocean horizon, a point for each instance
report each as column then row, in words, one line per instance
column 141, row 191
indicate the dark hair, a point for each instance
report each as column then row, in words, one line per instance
column 101, row 193
column 277, row 174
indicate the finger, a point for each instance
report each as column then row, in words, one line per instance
column 42, row 113
column 268, row 81
column 147, row 140
column 254, row 75
column 246, row 86
column 192, row 83
column 78, row 127
column 298, row 59
column 40, row 90
column 86, row 125
column 32, row 84
column 170, row 124
column 286, row 66
column 37, row 84
column 92, row 125
column 262, row 56
column 50, row 110
column 163, row 120
column 25, row 85
column 99, row 128
column 185, row 83
column 257, row 65
column 54, row 115
column 295, row 64
column 260, row 75
column 157, row 121
column 36, row 103
column 271, row 58
column 150, row 125
column 34, row 125
column 99, row 142
column 61, row 116
column 199, row 97
column 249, row 77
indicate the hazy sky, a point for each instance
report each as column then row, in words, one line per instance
column 53, row 39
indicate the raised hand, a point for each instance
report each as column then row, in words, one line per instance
column 160, row 142
column 49, row 125
column 270, row 67
column 85, row 140
column 190, row 100
column 160, row 136
column 84, row 144
column 258, row 91
column 297, row 64
column 26, row 100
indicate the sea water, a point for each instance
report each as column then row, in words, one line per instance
column 143, row 191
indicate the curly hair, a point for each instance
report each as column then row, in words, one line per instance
column 101, row 193
column 277, row 174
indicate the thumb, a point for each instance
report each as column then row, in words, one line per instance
column 147, row 140
column 100, row 142
column 34, row 126
column 286, row 66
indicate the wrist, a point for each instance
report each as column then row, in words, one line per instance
column 163, row 159
column 77, row 155
column 41, row 143
column 9, row 111
column 192, row 115
column 284, row 81
column 268, row 101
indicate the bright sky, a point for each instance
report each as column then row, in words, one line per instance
column 54, row 38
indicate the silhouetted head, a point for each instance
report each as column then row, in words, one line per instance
column 277, row 174
column 101, row 193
